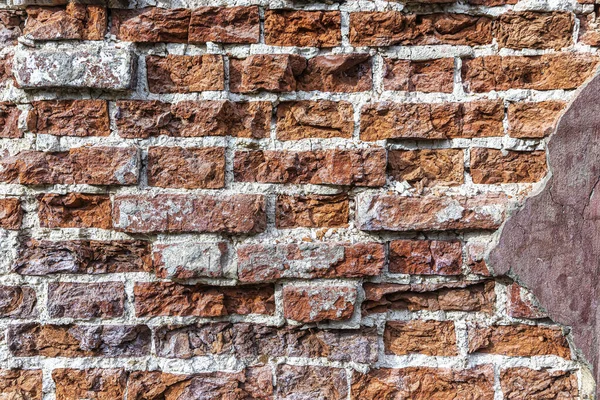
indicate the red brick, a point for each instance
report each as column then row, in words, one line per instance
column 318, row 303
column 589, row 29
column 522, row 304
column 75, row 21
column 11, row 26
column 9, row 121
column 303, row 28
column 311, row 382
column 17, row 302
column 270, row 72
column 419, row 76
column 345, row 73
column 74, row 210
column 6, row 69
column 312, row 211
column 225, row 25
column 234, row 214
column 425, row 257
column 81, row 165
column 185, row 74
column 533, row 120
column 188, row 260
column 427, row 167
column 525, row 383
column 69, row 117
column 432, row 338
column 92, row 384
column 86, row 300
column 151, row 24
column 265, row 262
column 187, row 167
column 476, row 253
column 168, row 298
column 20, row 384
column 325, row 167
column 11, row 213
column 491, row 166
column 314, row 119
column 535, row 30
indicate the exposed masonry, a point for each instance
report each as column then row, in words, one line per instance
column 10, row 240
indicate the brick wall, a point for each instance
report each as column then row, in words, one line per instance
column 269, row 200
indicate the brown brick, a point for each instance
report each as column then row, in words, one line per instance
column 69, row 117
column 169, row 298
column 314, row 119
column 11, row 26
column 75, row 21
column 86, row 300
column 92, row 384
column 476, row 253
column 11, row 213
column 151, row 24
column 265, row 262
column 337, row 73
column 432, row 120
column 545, row 72
column 25, row 384
column 432, row 338
column 303, row 28
column 187, row 167
column 318, row 303
column 518, row 340
column 432, row 213
column 427, row 167
column 225, row 25
column 589, row 29
column 81, row 165
column 311, row 382
column 535, row 30
column 525, row 383
column 247, row 341
column 329, row 167
column 533, row 120
column 312, row 211
column 251, row 383
column 9, row 121
column 6, row 69
column 425, row 257
column 491, row 166
column 390, row 28
column 185, row 74
column 142, row 119
column 30, row 340
column 270, row 72
column 17, row 302
column 474, row 296
column 419, row 76
column 424, row 383
column 234, row 214
column 188, row 260
column 82, row 256
column 74, row 210
column 522, row 304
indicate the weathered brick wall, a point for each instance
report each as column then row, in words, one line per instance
column 266, row 199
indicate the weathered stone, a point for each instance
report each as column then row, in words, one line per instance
column 142, row 119
column 451, row 296
column 17, row 302
column 187, row 167
column 427, row 167
column 21, row 384
column 30, row 340
column 425, row 257
column 259, row 263
column 424, row 383
column 11, row 26
column 337, row 73
column 432, row 120
column 525, row 383
column 400, row 213
column 419, row 76
column 81, row 165
column 303, row 28
column 75, row 21
column 535, row 30
column 188, row 260
column 91, row 384
column 225, row 25
column 390, row 28
column 318, row 303
column 521, row 304
column 69, row 117
column 533, row 120
column 252, row 341
column 270, row 72
column 589, row 29
column 168, row 298
column 11, row 213
column 234, row 214
column 9, row 121
column 311, row 382
column 476, row 253
column 86, row 300
column 314, row 119
column 432, row 338
column 81, row 256
column 312, row 211
column 330, row 167
column 151, row 24
column 74, row 210
column 185, row 74
column 545, row 72
column 518, row 340
column 491, row 166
